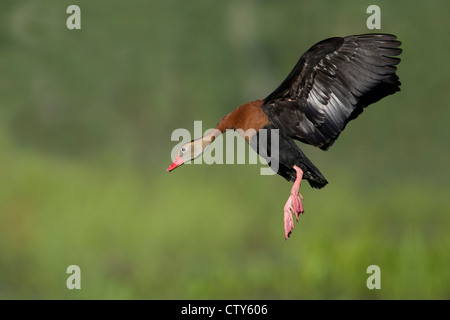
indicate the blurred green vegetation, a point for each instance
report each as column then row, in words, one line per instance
column 85, row 123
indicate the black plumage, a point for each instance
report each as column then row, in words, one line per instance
column 330, row 85
column 288, row 155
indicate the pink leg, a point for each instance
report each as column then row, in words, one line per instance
column 294, row 204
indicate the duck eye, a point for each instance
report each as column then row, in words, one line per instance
column 183, row 149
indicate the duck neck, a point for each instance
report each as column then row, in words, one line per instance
column 247, row 116
column 209, row 138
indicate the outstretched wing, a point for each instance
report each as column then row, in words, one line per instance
column 331, row 84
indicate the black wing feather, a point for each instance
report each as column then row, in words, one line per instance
column 331, row 84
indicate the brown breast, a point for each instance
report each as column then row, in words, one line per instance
column 245, row 118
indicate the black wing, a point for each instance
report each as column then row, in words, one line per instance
column 331, row 84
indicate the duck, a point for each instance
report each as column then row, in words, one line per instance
column 330, row 85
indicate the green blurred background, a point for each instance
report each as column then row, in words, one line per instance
column 85, row 124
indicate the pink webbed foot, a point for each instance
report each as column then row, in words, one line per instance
column 293, row 205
